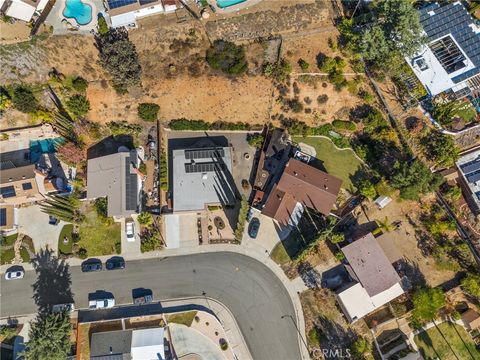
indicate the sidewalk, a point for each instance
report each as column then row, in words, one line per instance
column 248, row 249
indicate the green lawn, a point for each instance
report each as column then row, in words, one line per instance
column 340, row 163
column 432, row 345
column 97, row 236
column 185, row 318
column 279, row 254
column 65, row 249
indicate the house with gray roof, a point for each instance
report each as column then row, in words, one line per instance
column 450, row 61
column 202, row 177
column 116, row 177
column 374, row 280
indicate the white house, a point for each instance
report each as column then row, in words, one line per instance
column 375, row 281
column 126, row 12
column 22, row 9
column 450, row 61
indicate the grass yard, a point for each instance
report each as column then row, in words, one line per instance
column 279, row 254
column 97, row 236
column 185, row 318
column 63, row 248
column 340, row 163
column 432, row 345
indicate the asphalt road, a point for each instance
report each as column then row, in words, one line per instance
column 253, row 293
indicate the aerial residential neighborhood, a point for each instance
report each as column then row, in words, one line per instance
column 239, row 179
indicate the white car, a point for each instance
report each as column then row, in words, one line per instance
column 130, row 230
column 63, row 307
column 14, row 274
column 101, row 303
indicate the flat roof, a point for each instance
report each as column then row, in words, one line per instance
column 111, row 343
column 370, row 265
column 115, row 177
column 469, row 167
column 202, row 176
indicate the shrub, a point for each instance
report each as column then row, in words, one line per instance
column 227, row 57
column 303, row 64
column 278, row 70
column 255, row 140
column 24, row 100
column 344, row 125
column 7, row 332
column 148, row 111
column 82, row 253
column 78, row 105
column 80, row 84
column 322, row 99
column 223, row 344
column 102, row 25
column 145, row 218
column 101, row 207
column 124, row 128
column 184, row 124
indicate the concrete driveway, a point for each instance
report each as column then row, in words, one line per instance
column 34, row 223
column 189, row 341
column 130, row 247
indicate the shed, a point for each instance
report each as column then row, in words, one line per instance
column 382, row 201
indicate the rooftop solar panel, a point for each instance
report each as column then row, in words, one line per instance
column 204, row 153
column 131, row 189
column 204, row 167
column 113, row 4
column 27, row 186
column 470, row 167
column 7, row 192
column 3, row 217
column 473, row 178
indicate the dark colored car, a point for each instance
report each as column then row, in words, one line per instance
column 253, row 227
column 115, row 263
column 91, row 265
column 52, row 220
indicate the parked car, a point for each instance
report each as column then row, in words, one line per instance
column 101, row 303
column 14, row 273
column 91, row 265
column 52, row 220
column 70, row 307
column 144, row 299
column 253, row 227
column 115, row 263
column 130, row 230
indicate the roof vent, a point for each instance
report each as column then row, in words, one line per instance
column 295, row 173
column 204, row 176
column 325, row 186
column 23, row 176
column 279, row 197
column 10, row 179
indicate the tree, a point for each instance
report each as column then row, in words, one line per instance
column 119, row 57
column 337, row 238
column 49, row 338
column 440, row 148
column 63, row 208
column 145, row 218
column 303, row 64
column 24, row 100
column 278, row 70
column 71, row 154
column 102, row 25
column 7, row 332
column 256, row 140
column 367, row 189
column 148, row 111
column 227, row 57
column 78, row 105
column 383, row 226
column 80, row 84
column 426, row 304
column 361, row 347
column 414, row 179
column 101, row 207
column 471, row 285
column 5, row 100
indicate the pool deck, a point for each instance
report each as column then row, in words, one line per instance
column 62, row 25
column 234, row 8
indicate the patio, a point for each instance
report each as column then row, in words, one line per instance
column 62, row 25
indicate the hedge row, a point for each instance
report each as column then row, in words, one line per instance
column 184, row 124
column 344, row 125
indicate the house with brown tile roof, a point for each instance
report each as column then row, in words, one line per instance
column 374, row 280
column 18, row 185
column 301, row 185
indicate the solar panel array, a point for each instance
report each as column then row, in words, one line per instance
column 7, row 192
column 453, row 19
column 471, row 170
column 27, row 186
column 204, row 167
column 204, row 153
column 3, row 217
column 131, row 186
column 113, row 4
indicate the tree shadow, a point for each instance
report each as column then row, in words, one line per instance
column 53, row 284
column 411, row 270
column 334, row 335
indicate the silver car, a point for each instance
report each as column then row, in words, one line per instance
column 14, row 274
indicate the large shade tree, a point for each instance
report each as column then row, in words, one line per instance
column 427, row 302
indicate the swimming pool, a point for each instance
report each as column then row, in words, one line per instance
column 45, row 146
column 226, row 3
column 79, row 11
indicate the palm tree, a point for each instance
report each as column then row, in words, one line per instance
column 383, row 226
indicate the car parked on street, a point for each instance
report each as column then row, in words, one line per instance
column 14, row 273
column 142, row 296
column 130, row 230
column 253, row 227
column 91, row 265
column 101, row 303
column 115, row 263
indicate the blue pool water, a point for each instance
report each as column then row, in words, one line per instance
column 226, row 3
column 79, row 11
column 45, row 146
